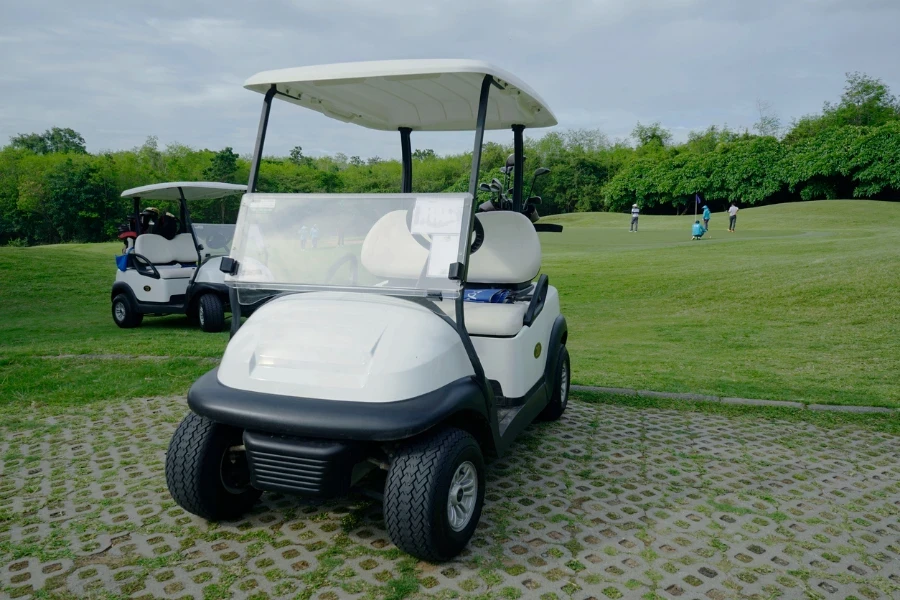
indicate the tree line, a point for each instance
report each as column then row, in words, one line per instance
column 52, row 190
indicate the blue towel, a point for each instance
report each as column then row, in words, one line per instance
column 487, row 296
column 122, row 262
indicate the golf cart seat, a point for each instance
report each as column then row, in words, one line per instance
column 507, row 257
column 168, row 256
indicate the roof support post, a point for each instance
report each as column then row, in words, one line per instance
column 137, row 216
column 406, row 152
column 260, row 139
column 518, row 174
column 479, row 134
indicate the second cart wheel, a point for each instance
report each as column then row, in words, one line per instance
column 211, row 313
column 124, row 314
column 559, row 397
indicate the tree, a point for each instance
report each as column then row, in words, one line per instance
column 652, row 134
column 769, row 124
column 297, row 155
column 222, row 168
column 865, row 101
column 55, row 140
column 426, row 154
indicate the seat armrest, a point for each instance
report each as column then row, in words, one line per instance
column 538, row 298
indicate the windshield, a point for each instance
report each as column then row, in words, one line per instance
column 214, row 237
column 402, row 244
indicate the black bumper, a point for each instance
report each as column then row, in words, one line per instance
column 332, row 419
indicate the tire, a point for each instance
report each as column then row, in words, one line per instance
column 561, row 380
column 417, row 495
column 211, row 313
column 123, row 313
column 196, row 474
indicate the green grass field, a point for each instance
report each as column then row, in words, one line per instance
column 799, row 304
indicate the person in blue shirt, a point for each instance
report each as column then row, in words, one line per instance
column 706, row 216
column 697, row 231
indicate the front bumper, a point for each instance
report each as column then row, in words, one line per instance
column 332, row 419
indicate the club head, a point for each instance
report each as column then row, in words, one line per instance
column 534, row 200
column 541, row 171
column 496, row 182
column 505, row 170
column 510, row 162
column 496, row 187
column 485, row 187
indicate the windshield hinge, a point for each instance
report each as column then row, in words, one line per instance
column 434, row 295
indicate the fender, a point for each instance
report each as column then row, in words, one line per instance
column 195, row 290
column 120, row 287
column 559, row 335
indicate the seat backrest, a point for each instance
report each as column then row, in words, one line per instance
column 183, row 248
column 155, row 248
column 510, row 252
column 390, row 250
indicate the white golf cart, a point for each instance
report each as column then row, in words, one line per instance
column 170, row 265
column 409, row 343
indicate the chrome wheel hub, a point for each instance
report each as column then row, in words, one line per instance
column 120, row 311
column 463, row 496
column 202, row 317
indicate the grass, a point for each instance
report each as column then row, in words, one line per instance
column 799, row 304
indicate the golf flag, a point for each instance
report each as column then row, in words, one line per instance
column 698, row 198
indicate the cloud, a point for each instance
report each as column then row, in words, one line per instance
column 175, row 68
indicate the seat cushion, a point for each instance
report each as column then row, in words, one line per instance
column 510, row 253
column 175, row 272
column 497, row 320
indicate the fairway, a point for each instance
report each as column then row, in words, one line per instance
column 799, row 304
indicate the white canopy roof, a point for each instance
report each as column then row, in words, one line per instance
column 425, row 95
column 193, row 190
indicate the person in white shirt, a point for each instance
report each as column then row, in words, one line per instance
column 732, row 217
column 635, row 213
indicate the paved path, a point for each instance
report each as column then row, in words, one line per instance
column 610, row 502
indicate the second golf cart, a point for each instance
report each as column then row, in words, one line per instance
column 170, row 265
column 412, row 340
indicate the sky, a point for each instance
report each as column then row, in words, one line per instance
column 118, row 72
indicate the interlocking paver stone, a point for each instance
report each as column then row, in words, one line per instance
column 609, row 502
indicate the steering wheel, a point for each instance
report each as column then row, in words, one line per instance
column 218, row 240
column 354, row 266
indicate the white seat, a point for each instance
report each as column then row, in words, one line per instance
column 175, row 272
column 495, row 320
column 183, row 248
column 510, row 253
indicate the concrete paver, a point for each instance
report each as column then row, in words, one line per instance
column 609, row 502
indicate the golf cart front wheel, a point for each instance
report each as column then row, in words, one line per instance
column 559, row 397
column 123, row 314
column 211, row 313
column 434, row 494
column 207, row 471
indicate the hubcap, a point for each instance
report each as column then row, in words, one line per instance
column 120, row 311
column 202, row 317
column 564, row 385
column 234, row 471
column 462, row 497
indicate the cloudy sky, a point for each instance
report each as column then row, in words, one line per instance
column 119, row 71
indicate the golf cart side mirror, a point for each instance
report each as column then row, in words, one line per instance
column 229, row 266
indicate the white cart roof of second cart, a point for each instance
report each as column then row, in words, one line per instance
column 424, row 95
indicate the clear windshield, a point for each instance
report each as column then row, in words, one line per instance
column 214, row 237
column 402, row 244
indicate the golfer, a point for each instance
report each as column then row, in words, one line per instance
column 635, row 213
column 706, row 216
column 732, row 217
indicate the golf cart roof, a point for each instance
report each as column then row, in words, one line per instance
column 424, row 95
column 193, row 190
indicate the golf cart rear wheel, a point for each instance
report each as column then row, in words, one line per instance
column 207, row 472
column 211, row 313
column 434, row 494
column 123, row 314
column 560, row 396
